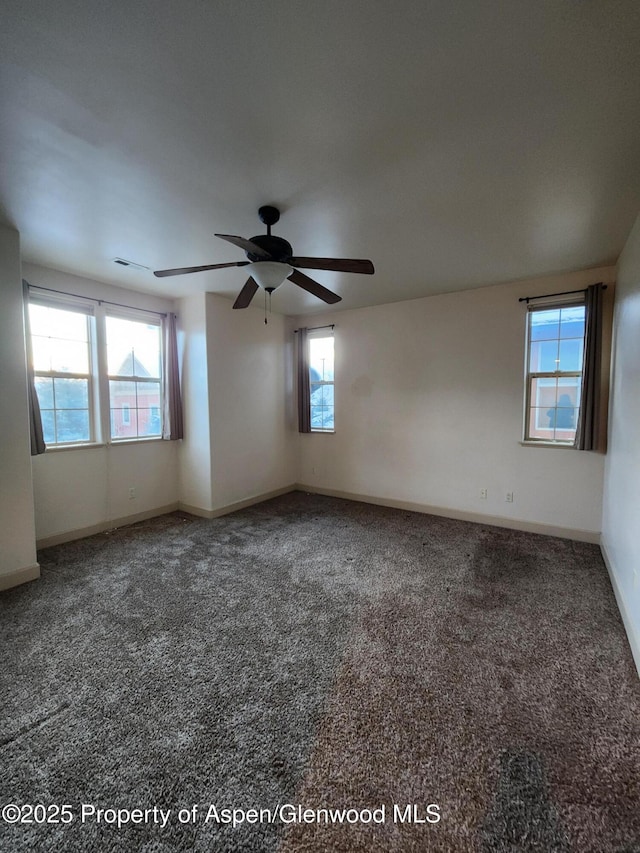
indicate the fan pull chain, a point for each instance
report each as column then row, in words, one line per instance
column 268, row 291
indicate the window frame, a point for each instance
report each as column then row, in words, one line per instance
column 530, row 376
column 315, row 334
column 144, row 318
column 98, row 378
column 80, row 308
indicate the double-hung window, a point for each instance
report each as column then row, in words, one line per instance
column 134, row 365
column 321, row 380
column 555, row 345
column 62, row 337
column 98, row 373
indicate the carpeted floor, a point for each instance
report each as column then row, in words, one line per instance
column 325, row 654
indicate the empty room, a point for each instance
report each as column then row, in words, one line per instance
column 320, row 406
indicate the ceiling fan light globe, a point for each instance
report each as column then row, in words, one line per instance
column 270, row 274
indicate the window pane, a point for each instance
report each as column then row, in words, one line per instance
column 48, row 425
column 543, row 393
column 148, row 394
column 321, row 359
column 124, row 423
column 133, row 348
column 572, row 322
column 540, row 423
column 327, row 420
column 71, row 393
column 322, row 408
column 562, row 418
column 149, row 421
column 44, row 389
column 327, row 395
column 545, row 325
column 72, row 425
column 58, row 323
column 122, row 394
column 39, row 320
column 571, row 354
column 543, row 357
column 569, row 389
column 41, row 353
column 69, row 356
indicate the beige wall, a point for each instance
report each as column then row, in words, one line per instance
column 236, row 375
column 84, row 489
column 195, row 486
column 17, row 531
column 621, row 510
column 429, row 402
column 249, row 364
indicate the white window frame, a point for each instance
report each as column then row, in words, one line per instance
column 530, row 376
column 99, row 398
column 146, row 318
column 86, row 309
column 311, row 335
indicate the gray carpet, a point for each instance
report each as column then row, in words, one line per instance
column 325, row 653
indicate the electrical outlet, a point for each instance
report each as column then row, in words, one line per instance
column 483, row 494
column 132, row 493
column 509, row 497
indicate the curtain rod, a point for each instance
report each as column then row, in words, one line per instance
column 92, row 299
column 528, row 299
column 314, row 328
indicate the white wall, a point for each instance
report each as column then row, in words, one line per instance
column 249, row 364
column 17, row 529
column 195, row 489
column 81, row 490
column 621, row 511
column 429, row 402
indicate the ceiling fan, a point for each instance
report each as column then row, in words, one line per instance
column 272, row 261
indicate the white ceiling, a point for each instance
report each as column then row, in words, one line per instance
column 456, row 144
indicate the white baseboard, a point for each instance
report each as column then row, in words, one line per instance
column 19, row 576
column 111, row 524
column 234, row 507
column 630, row 628
column 461, row 515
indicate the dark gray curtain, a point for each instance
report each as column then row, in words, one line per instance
column 35, row 420
column 304, row 390
column 172, row 426
column 588, row 431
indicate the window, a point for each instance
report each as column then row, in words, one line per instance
column 555, row 344
column 133, row 357
column 62, row 357
column 321, row 381
column 97, row 374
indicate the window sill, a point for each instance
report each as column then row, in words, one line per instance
column 322, row 432
column 566, row 445
column 127, row 441
column 57, row 448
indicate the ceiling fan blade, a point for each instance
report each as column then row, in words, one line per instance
column 246, row 294
column 247, row 245
column 183, row 270
column 335, row 264
column 313, row 287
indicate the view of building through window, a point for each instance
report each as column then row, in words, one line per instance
column 66, row 339
column 554, row 380
column 133, row 357
column 321, row 380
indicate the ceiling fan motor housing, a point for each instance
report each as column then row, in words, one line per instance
column 278, row 248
